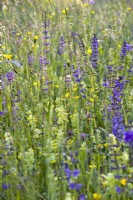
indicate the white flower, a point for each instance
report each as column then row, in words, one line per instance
column 125, row 157
column 112, row 139
column 68, row 196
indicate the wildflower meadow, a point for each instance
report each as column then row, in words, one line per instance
column 66, row 99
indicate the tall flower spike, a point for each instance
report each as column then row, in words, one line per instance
column 61, row 46
column 117, row 120
column 124, row 50
column 46, row 36
column 30, row 61
column 94, row 56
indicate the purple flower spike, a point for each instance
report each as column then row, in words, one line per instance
column 61, row 46
column 124, row 50
column 94, row 56
column 129, row 137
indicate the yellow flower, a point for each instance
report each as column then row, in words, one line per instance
column 106, row 145
column 129, row 8
column 7, row 56
column 91, row 99
column 64, row 12
column 89, row 51
column 67, row 95
column 97, row 196
column 74, row 89
column 35, row 37
column 36, row 83
column 57, row 86
column 123, row 181
column 85, row 5
column 92, row 12
column 92, row 166
column 77, row 97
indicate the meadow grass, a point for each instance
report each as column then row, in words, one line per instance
column 66, row 100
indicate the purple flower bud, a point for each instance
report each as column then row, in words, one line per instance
column 10, row 76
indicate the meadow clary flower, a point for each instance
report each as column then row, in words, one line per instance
column 118, row 189
column 94, row 56
column 30, row 59
column 1, row 113
column 68, row 172
column 10, row 75
column 76, row 172
column 72, row 185
column 82, row 197
column 92, row 2
column 129, row 137
column 61, row 46
column 129, row 47
column 124, row 50
column 78, row 186
column 5, row 186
